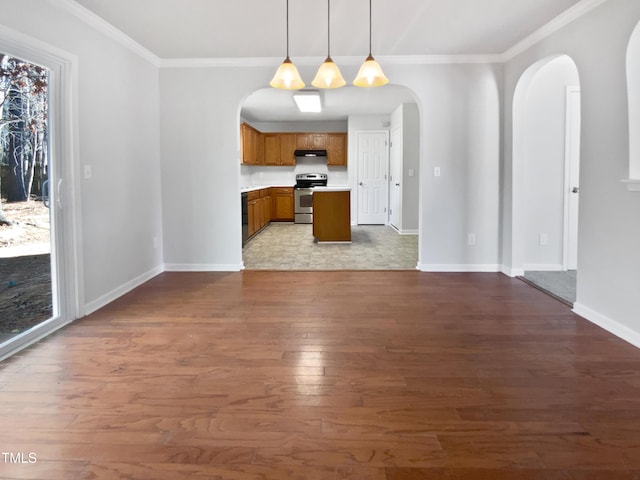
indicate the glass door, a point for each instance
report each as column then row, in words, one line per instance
column 26, row 243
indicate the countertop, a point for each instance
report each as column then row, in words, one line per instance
column 332, row 189
column 260, row 187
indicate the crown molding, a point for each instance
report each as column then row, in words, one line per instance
column 104, row 27
column 314, row 61
column 565, row 18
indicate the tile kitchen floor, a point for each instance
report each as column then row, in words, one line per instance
column 289, row 246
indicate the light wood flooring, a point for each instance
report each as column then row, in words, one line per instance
column 325, row 375
column 291, row 246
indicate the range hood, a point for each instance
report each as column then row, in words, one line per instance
column 310, row 153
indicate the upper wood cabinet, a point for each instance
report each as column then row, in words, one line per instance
column 287, row 147
column 252, row 144
column 277, row 149
column 337, row 149
column 271, row 149
column 311, row 141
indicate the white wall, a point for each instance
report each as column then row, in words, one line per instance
column 543, row 163
column 118, row 111
column 609, row 228
column 460, row 133
column 201, row 171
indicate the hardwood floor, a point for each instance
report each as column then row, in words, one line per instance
column 325, row 375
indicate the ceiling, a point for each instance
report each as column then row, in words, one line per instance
column 221, row 29
column 256, row 28
column 270, row 104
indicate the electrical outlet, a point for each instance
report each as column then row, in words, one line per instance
column 471, row 239
column 544, row 240
column 436, row 171
column 156, row 242
column 411, row 172
column 87, row 172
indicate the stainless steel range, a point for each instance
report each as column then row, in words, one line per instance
column 303, row 195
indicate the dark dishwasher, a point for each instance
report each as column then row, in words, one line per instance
column 245, row 217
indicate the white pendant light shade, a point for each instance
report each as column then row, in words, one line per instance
column 328, row 76
column 287, row 77
column 370, row 74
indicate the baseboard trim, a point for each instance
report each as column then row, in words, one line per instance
column 543, row 267
column 116, row 293
column 610, row 325
column 512, row 272
column 203, row 267
column 487, row 268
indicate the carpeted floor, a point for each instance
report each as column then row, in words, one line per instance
column 560, row 284
column 289, row 246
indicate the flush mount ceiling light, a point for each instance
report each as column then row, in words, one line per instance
column 287, row 76
column 328, row 75
column 370, row 73
column 308, row 101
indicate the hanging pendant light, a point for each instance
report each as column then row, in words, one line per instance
column 287, row 76
column 370, row 73
column 328, row 75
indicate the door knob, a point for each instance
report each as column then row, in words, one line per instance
column 575, row 190
column 361, row 184
column 397, row 184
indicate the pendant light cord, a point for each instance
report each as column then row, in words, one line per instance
column 287, row 28
column 328, row 28
column 369, row 27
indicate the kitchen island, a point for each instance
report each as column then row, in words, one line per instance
column 332, row 214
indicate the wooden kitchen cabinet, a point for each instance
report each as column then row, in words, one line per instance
column 265, row 199
column 252, row 144
column 311, row 141
column 332, row 216
column 282, row 201
column 253, row 198
column 272, row 152
column 287, row 147
column 259, row 141
column 259, row 210
column 337, row 149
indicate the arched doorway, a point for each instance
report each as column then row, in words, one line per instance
column 633, row 92
column 546, row 156
column 354, row 113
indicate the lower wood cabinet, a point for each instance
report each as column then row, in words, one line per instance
column 267, row 205
column 282, row 204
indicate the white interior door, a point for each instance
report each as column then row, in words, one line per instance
column 395, row 178
column 373, row 165
column 572, row 178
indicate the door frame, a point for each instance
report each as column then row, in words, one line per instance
column 571, row 162
column 66, row 253
column 398, row 148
